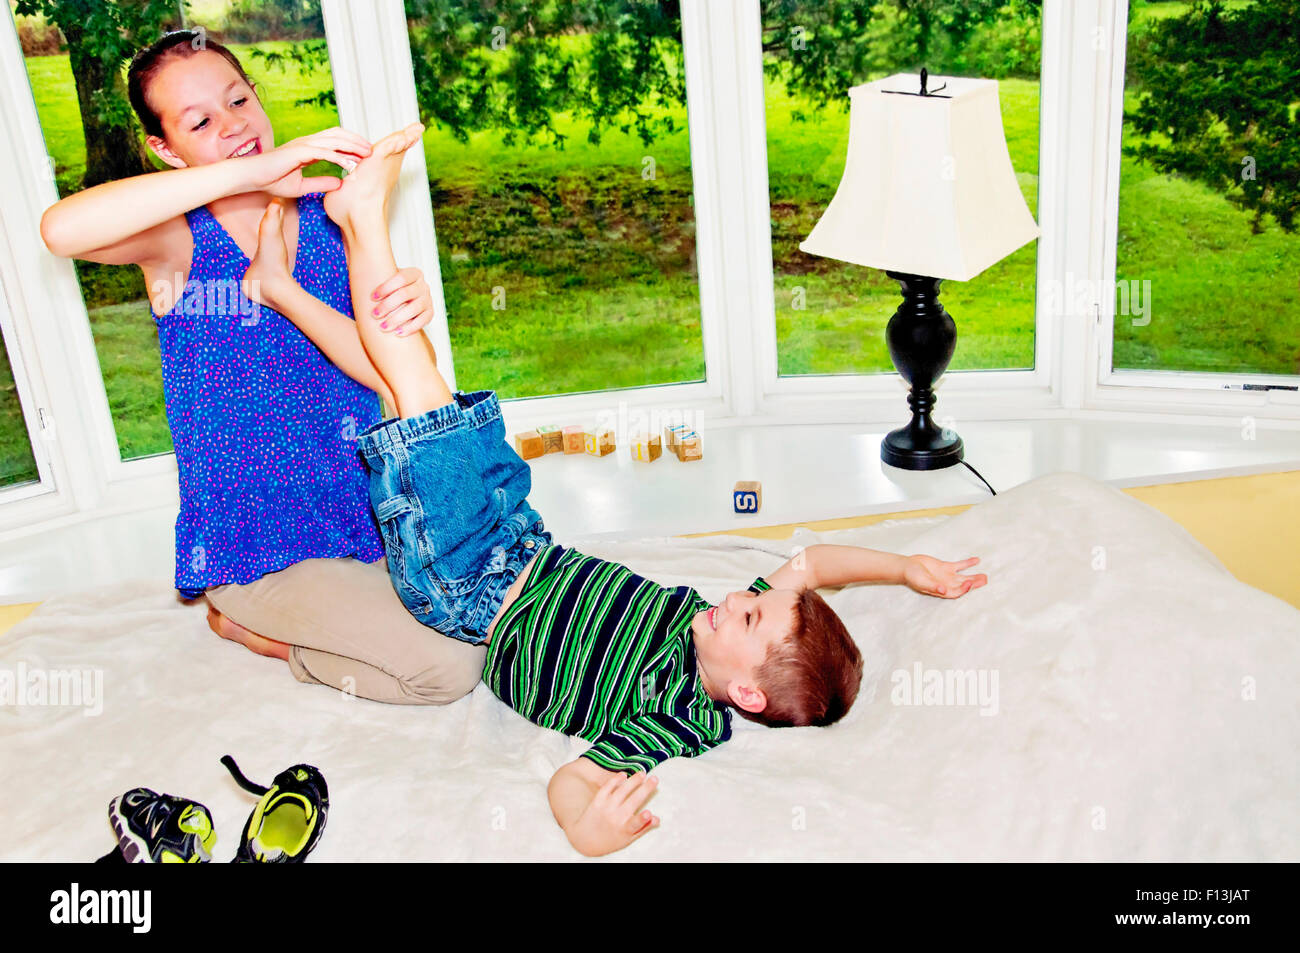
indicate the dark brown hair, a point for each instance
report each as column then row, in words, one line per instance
column 812, row 676
column 146, row 63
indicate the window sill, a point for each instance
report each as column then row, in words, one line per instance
column 808, row 472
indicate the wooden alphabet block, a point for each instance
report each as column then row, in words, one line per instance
column 599, row 442
column 574, row 441
column 529, row 444
column 747, row 497
column 690, row 447
column 552, row 439
column 672, row 434
column 647, row 447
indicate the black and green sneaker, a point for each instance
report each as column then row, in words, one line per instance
column 154, row 828
column 287, row 822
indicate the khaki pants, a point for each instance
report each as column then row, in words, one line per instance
column 349, row 630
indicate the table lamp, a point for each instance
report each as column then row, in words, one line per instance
column 928, row 193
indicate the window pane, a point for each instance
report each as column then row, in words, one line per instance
column 17, row 464
column 566, row 269
column 831, row 315
column 1205, row 267
column 126, row 339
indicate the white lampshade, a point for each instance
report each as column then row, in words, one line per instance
column 928, row 187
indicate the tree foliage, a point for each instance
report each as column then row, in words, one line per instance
column 1217, row 96
column 102, row 35
column 504, row 64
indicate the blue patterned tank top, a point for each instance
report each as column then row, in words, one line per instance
column 264, row 425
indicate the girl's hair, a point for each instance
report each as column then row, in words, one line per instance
column 152, row 58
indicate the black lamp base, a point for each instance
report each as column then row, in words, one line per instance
column 911, row 448
column 921, row 337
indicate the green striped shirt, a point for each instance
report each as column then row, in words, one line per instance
column 592, row 649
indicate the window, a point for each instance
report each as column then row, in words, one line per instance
column 297, row 93
column 831, row 315
column 1205, row 270
column 560, row 176
column 17, row 462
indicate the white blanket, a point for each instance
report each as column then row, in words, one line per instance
column 1143, row 709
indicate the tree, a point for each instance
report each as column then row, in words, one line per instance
column 496, row 64
column 1219, row 86
column 505, row 65
column 102, row 36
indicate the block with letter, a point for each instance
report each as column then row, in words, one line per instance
column 528, row 444
column 689, row 446
column 574, row 441
column 647, row 447
column 599, row 443
column 747, row 497
column 672, row 435
column 552, row 439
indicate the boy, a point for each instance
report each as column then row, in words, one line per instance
column 577, row 643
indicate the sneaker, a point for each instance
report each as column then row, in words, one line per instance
column 154, row 828
column 287, row 822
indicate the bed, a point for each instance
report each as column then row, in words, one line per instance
column 1113, row 693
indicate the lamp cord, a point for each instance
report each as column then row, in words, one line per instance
column 977, row 473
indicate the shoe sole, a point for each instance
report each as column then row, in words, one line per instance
column 133, row 847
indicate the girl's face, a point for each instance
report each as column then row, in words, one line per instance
column 208, row 112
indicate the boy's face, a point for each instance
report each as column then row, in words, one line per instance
column 732, row 640
column 207, row 111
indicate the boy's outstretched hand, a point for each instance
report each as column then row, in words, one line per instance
column 935, row 577
column 613, row 819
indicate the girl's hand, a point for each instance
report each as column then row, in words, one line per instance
column 403, row 303
column 934, row 577
column 268, row 274
column 280, row 170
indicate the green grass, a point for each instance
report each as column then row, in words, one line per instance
column 596, row 264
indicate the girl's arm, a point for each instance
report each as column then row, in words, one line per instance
column 131, row 221
column 828, row 565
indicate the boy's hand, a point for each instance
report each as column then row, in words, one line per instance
column 403, row 303
column 934, row 577
column 611, row 821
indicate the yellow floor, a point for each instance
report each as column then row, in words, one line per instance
column 1252, row 523
column 10, row 616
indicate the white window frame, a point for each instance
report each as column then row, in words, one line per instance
column 370, row 57
column 57, row 367
column 26, row 386
column 1120, row 388
column 84, row 470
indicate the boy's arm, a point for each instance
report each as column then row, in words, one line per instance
column 598, row 809
column 269, row 282
column 829, row 565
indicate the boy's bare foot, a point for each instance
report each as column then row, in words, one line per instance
column 368, row 187
column 258, row 644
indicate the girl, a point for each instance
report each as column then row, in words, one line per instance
column 265, row 379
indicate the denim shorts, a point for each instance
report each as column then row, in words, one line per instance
column 451, row 499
